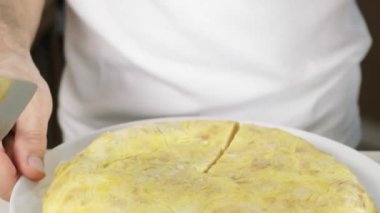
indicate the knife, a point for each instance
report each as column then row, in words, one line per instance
column 14, row 96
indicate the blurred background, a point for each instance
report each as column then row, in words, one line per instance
column 47, row 53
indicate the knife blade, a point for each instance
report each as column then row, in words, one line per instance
column 14, row 96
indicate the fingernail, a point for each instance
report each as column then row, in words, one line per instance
column 36, row 163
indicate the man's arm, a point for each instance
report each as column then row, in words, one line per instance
column 19, row 20
column 22, row 151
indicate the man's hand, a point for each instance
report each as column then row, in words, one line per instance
column 22, row 151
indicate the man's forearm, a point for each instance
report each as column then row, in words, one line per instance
column 19, row 20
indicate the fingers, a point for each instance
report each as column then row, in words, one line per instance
column 31, row 137
column 8, row 174
column 25, row 151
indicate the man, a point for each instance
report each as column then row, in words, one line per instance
column 292, row 62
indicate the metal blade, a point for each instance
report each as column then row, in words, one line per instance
column 14, row 96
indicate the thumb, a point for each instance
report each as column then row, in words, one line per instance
column 30, row 140
column 29, row 150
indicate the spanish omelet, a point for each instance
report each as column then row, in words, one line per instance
column 204, row 166
column 5, row 84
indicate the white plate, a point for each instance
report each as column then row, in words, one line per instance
column 27, row 195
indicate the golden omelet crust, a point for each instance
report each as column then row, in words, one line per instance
column 203, row 166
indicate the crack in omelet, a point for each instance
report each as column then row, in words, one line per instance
column 234, row 131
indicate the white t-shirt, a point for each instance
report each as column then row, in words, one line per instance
column 287, row 62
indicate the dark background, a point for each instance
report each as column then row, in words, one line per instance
column 47, row 52
column 370, row 93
